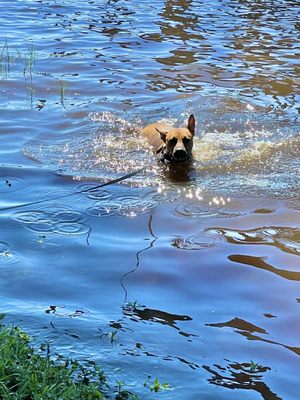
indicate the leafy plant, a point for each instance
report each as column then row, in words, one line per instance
column 63, row 85
column 113, row 336
column 253, row 366
column 124, row 394
column 156, row 386
column 27, row 375
column 5, row 60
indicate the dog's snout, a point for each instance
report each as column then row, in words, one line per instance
column 180, row 154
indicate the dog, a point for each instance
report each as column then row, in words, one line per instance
column 171, row 144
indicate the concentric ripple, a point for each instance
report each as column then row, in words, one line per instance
column 68, row 216
column 58, row 220
column 94, row 194
column 71, row 228
column 206, row 207
column 30, row 216
column 128, row 204
column 198, row 241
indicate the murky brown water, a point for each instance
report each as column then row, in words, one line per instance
column 198, row 272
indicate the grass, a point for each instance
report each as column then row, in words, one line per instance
column 8, row 58
column 63, row 85
column 5, row 60
column 13, row 61
column 27, row 375
column 29, row 61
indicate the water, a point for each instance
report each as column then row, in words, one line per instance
column 196, row 270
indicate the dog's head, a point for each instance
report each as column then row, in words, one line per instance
column 179, row 141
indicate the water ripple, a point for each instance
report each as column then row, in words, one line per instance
column 286, row 239
column 95, row 194
column 12, row 184
column 30, row 216
column 198, row 209
column 7, row 255
column 195, row 242
column 59, row 220
column 128, row 205
column 230, row 159
column 71, row 228
column 68, row 216
column 9, row 225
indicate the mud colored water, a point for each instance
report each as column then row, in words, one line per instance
column 193, row 272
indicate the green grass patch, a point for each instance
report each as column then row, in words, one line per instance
column 25, row 58
column 27, row 375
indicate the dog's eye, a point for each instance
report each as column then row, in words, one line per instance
column 173, row 141
column 186, row 140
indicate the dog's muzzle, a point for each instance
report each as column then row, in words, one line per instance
column 180, row 155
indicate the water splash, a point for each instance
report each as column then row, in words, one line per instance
column 249, row 161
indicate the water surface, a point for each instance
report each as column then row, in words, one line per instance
column 195, row 270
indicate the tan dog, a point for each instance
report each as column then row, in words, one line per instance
column 173, row 144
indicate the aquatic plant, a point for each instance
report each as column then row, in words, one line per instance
column 8, row 58
column 131, row 305
column 29, row 61
column 157, row 386
column 5, row 60
column 25, row 374
column 253, row 366
column 63, row 85
column 112, row 336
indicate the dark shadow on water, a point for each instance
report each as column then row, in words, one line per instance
column 247, row 329
column 247, row 376
column 241, row 324
column 179, row 172
column 259, row 262
column 148, row 314
column 137, row 312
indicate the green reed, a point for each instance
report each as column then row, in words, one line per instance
column 63, row 86
column 5, row 60
column 8, row 58
column 29, row 61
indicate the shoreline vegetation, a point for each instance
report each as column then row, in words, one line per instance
column 27, row 375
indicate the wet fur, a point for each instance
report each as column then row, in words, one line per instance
column 175, row 144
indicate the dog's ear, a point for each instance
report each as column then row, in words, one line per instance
column 191, row 124
column 162, row 135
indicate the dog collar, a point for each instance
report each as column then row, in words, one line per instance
column 160, row 149
column 164, row 156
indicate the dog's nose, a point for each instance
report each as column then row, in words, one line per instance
column 180, row 154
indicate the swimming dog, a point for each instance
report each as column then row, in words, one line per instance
column 171, row 144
